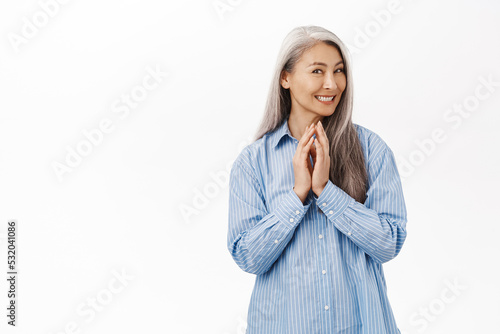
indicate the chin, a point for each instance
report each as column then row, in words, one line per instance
column 328, row 112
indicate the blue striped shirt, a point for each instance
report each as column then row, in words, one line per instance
column 318, row 264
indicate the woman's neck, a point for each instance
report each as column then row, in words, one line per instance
column 297, row 123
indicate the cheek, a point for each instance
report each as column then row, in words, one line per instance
column 311, row 87
column 304, row 88
column 342, row 83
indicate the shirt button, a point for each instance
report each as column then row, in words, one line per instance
column 331, row 212
column 276, row 241
column 297, row 212
column 320, row 236
column 291, row 220
column 326, row 307
column 324, row 204
column 348, row 233
column 324, row 271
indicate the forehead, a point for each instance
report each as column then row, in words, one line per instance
column 322, row 53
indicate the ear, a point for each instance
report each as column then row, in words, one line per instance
column 285, row 80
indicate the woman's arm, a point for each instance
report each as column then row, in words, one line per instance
column 378, row 226
column 256, row 237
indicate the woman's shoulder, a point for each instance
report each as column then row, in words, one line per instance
column 248, row 156
column 372, row 143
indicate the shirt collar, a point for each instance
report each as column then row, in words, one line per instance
column 280, row 132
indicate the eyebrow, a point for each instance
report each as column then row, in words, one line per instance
column 323, row 64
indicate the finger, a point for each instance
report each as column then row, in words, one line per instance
column 309, row 166
column 305, row 151
column 320, row 150
column 307, row 148
column 322, row 139
column 323, row 134
column 305, row 137
column 313, row 152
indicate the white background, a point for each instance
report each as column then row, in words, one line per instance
column 122, row 207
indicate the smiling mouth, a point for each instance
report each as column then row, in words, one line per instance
column 323, row 98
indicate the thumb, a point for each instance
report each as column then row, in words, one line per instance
column 313, row 152
column 309, row 165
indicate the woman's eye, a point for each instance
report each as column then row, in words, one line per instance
column 317, row 71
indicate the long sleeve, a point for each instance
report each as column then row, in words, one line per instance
column 378, row 226
column 256, row 237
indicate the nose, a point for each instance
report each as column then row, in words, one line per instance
column 329, row 81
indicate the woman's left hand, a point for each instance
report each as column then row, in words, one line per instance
column 320, row 153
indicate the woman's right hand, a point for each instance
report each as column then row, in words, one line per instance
column 302, row 168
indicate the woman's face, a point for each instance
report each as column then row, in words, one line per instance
column 317, row 78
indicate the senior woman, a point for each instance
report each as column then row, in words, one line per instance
column 315, row 202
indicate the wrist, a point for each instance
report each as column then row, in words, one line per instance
column 301, row 194
column 318, row 191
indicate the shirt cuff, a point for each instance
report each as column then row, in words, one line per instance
column 333, row 201
column 291, row 209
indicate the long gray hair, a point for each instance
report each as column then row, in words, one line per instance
column 347, row 165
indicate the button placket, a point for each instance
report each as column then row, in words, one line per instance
column 323, row 260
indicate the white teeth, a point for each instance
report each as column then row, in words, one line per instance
column 321, row 98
